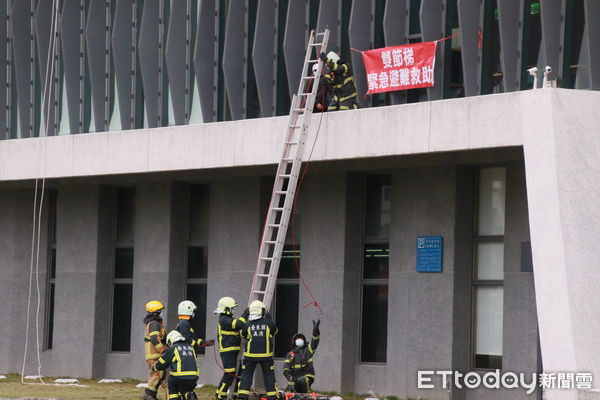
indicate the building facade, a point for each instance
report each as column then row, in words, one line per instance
column 185, row 103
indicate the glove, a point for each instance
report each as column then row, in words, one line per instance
column 323, row 57
column 246, row 313
column 289, row 387
column 210, row 343
column 316, row 330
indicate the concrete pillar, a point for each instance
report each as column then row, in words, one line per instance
column 520, row 334
column 561, row 147
column 82, row 300
column 16, row 220
column 234, row 237
column 151, row 268
column 331, row 273
column 420, row 317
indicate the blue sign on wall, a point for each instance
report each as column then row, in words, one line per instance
column 430, row 251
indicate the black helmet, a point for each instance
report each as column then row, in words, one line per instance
column 298, row 336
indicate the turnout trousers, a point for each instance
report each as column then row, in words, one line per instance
column 229, row 360
column 182, row 388
column 268, row 370
column 156, row 378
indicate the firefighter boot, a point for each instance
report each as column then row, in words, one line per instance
column 149, row 395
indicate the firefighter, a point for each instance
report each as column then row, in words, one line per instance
column 154, row 347
column 183, row 373
column 229, row 342
column 185, row 312
column 339, row 77
column 298, row 364
column 323, row 97
column 259, row 331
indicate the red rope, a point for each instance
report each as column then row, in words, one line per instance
column 219, row 364
column 449, row 37
column 304, row 284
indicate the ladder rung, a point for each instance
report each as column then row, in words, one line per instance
column 266, row 258
column 320, row 33
column 314, row 61
column 285, row 176
column 292, row 143
column 273, row 225
column 259, row 292
column 298, row 109
column 295, row 126
column 270, row 241
column 277, row 208
column 316, row 44
column 262, row 275
column 281, row 192
column 305, row 94
column 308, row 78
column 288, row 159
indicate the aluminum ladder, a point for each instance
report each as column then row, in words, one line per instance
column 288, row 171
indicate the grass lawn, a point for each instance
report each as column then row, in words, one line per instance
column 12, row 387
column 90, row 389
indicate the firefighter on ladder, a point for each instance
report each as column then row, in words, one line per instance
column 341, row 81
column 229, row 343
column 185, row 312
column 259, row 331
column 298, row 364
column 154, row 347
column 183, row 374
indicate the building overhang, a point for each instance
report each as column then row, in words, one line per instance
column 480, row 122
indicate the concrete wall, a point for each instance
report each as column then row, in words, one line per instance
column 563, row 180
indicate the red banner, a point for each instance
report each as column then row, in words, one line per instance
column 403, row 67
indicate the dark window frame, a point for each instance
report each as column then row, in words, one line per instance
column 117, row 244
column 475, row 282
column 364, row 282
column 195, row 243
column 50, row 272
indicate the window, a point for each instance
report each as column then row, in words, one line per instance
column 122, row 278
column 51, row 280
column 375, row 274
column 287, row 298
column 488, row 271
column 197, row 256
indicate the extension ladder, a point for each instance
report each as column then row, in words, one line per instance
column 286, row 180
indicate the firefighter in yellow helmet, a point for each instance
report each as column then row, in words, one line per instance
column 259, row 331
column 229, row 342
column 341, row 81
column 154, row 346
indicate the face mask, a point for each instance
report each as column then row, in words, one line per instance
column 299, row 342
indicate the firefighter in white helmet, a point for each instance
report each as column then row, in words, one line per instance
column 181, row 358
column 341, row 81
column 229, row 342
column 260, row 331
column 185, row 312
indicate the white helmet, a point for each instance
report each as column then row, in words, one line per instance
column 225, row 304
column 256, row 309
column 333, row 57
column 174, row 337
column 315, row 67
column 186, row 307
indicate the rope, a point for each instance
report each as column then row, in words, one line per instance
column 37, row 213
column 304, row 284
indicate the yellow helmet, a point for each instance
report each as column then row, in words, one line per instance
column 256, row 308
column 154, row 306
column 225, row 304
